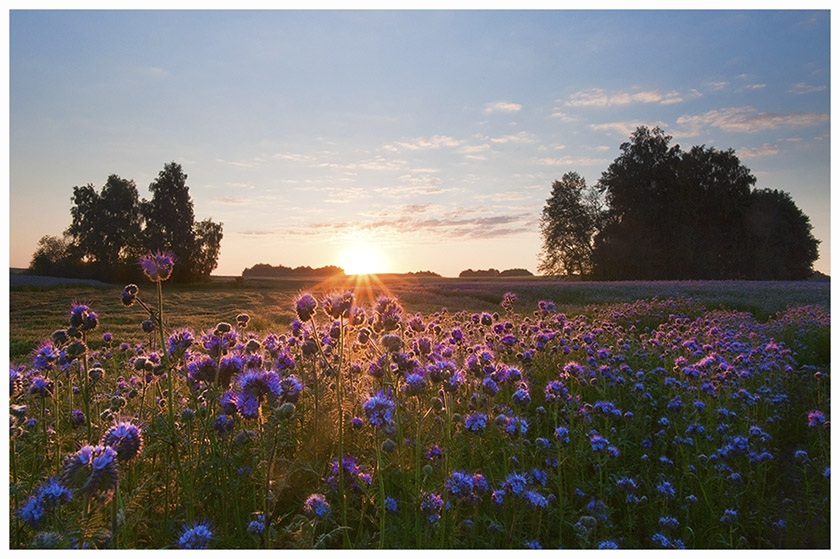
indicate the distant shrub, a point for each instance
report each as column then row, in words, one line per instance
column 470, row 273
column 514, row 272
column 267, row 270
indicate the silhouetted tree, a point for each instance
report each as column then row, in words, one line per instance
column 52, row 257
column 643, row 222
column 170, row 225
column 105, row 228
column 674, row 215
column 779, row 243
column 568, row 225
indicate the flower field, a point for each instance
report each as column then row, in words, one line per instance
column 650, row 423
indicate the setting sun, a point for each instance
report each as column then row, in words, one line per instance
column 361, row 257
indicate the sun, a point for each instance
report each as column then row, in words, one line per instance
column 362, row 258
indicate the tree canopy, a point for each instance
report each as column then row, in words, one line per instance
column 111, row 228
column 660, row 213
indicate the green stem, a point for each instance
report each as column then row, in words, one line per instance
column 381, row 488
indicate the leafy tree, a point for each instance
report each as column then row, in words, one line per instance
column 106, row 225
column 111, row 229
column 170, row 225
column 208, row 241
column 674, row 215
column 779, row 240
column 568, row 224
column 52, row 257
column 645, row 209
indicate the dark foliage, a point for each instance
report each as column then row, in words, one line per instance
column 672, row 215
column 269, row 271
column 112, row 228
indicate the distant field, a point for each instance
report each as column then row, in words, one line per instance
column 36, row 310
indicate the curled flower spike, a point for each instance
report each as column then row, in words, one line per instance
column 129, row 294
column 158, row 265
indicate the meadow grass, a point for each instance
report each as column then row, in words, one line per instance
column 445, row 414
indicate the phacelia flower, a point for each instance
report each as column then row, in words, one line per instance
column 378, row 409
column 126, row 439
column 196, row 536
column 305, row 307
column 91, row 470
column 317, row 505
column 158, row 265
column 129, row 294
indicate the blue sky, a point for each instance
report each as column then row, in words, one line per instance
column 428, row 138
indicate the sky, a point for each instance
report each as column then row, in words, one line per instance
column 397, row 141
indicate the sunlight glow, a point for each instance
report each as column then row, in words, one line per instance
column 362, row 257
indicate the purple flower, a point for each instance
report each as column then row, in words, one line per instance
column 378, row 409
column 475, row 422
column 305, row 307
column 197, row 536
column 317, row 505
column 158, row 265
column 91, row 470
column 126, row 439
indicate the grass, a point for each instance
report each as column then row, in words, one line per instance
column 34, row 312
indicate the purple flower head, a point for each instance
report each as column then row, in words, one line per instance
column 305, row 307
column 41, row 386
column 317, row 505
column 432, row 505
column 91, row 470
column 290, row 388
column 522, row 397
column 45, row 355
column 126, row 439
column 158, row 265
column 415, row 382
column 816, row 418
column 129, row 294
column 257, row 526
column 475, row 422
column 196, row 536
column 387, row 314
column 252, row 387
column 179, row 342
column 378, row 409
column 77, row 418
column 516, row 483
column 339, row 305
column 224, row 424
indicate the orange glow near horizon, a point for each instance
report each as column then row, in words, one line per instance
column 362, row 257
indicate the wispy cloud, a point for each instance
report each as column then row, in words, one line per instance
column 440, row 227
column 294, row 157
column 432, row 142
column 746, row 119
column 502, row 107
column 231, row 201
column 804, row 88
column 623, row 128
column 569, row 161
column 601, row 98
column 759, row 151
column 518, row 138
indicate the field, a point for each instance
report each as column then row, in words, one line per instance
column 421, row 413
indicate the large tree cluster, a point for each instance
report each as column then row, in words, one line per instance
column 112, row 227
column 660, row 213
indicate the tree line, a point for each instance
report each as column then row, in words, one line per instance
column 660, row 213
column 112, row 227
